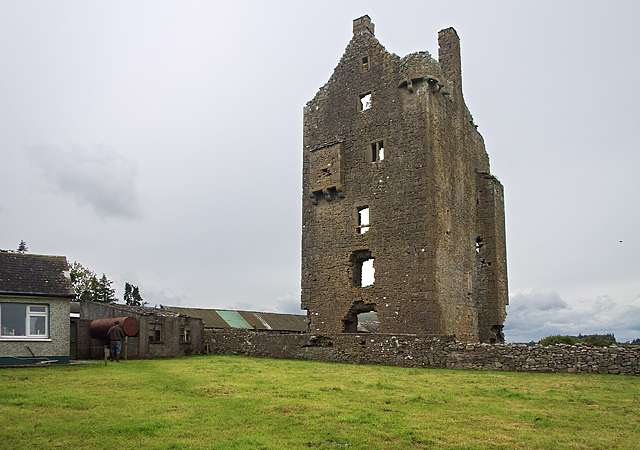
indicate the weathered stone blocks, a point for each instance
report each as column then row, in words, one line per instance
column 393, row 136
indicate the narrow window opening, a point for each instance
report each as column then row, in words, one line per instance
column 365, row 101
column 479, row 244
column 365, row 64
column 363, row 220
column 368, row 273
column 363, row 272
column 377, row 151
column 448, row 221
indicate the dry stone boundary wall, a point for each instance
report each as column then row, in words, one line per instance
column 408, row 350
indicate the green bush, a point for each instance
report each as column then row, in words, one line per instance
column 594, row 340
column 558, row 339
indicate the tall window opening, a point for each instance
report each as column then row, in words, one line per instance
column 155, row 333
column 185, row 334
column 364, row 64
column 377, row 151
column 368, row 273
column 365, row 101
column 363, row 220
column 363, row 272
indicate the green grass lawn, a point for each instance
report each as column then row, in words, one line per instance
column 234, row 402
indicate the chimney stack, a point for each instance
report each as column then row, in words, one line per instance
column 363, row 24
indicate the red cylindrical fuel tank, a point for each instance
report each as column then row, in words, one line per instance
column 100, row 327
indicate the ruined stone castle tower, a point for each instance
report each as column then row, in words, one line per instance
column 401, row 215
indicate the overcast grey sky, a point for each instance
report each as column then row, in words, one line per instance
column 161, row 142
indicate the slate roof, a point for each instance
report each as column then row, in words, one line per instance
column 251, row 320
column 35, row 275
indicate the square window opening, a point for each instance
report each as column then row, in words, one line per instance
column 368, row 322
column 361, row 318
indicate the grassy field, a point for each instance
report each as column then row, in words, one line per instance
column 225, row 402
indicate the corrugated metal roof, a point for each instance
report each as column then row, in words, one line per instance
column 254, row 321
column 220, row 318
column 210, row 318
column 284, row 322
column 234, row 319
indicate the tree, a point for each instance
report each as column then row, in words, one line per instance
column 132, row 295
column 105, row 293
column 87, row 286
column 22, row 248
column 85, row 282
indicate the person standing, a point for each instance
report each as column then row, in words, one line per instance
column 116, row 334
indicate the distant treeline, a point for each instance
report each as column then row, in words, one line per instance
column 592, row 340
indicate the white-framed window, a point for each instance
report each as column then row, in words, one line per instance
column 24, row 321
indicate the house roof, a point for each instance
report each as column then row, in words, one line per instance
column 35, row 275
column 251, row 320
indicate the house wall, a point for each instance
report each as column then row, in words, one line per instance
column 54, row 348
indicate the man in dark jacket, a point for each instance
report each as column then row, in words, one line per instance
column 116, row 334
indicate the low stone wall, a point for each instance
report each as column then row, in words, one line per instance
column 423, row 351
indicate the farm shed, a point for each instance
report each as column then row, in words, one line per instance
column 35, row 291
column 162, row 333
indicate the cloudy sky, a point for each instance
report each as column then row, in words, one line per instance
column 160, row 142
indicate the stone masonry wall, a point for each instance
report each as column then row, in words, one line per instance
column 397, row 186
column 441, row 352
